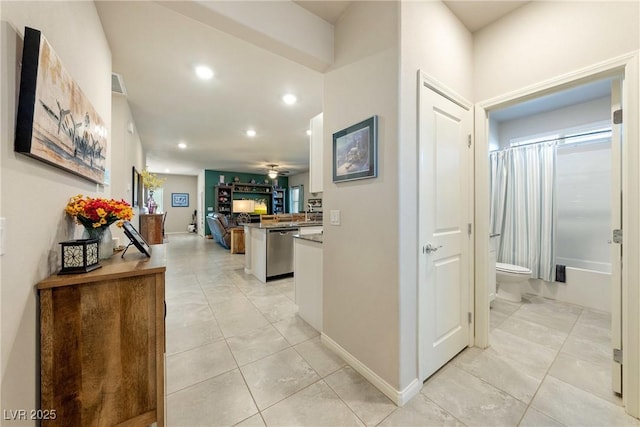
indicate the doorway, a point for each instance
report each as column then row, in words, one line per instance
column 562, row 234
column 626, row 66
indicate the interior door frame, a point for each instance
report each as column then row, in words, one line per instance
column 626, row 66
column 425, row 80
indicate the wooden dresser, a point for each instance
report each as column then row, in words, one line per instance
column 102, row 343
column 151, row 228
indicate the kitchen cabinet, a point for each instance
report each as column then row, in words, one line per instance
column 102, row 343
column 315, row 154
column 307, row 276
column 260, row 250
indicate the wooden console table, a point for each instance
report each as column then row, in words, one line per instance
column 102, row 343
column 151, row 228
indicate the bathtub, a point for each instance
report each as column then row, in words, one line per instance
column 588, row 288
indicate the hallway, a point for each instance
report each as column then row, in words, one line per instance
column 237, row 354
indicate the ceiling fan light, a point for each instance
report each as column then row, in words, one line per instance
column 273, row 174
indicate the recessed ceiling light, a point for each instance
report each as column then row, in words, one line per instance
column 182, row 145
column 204, row 72
column 167, row 171
column 251, row 133
column 289, row 99
column 309, row 132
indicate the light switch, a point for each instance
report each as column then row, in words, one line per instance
column 335, row 217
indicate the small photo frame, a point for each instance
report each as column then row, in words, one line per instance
column 179, row 200
column 355, row 153
column 135, row 238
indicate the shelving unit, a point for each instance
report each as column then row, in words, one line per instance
column 278, row 200
column 252, row 188
column 225, row 194
column 223, row 199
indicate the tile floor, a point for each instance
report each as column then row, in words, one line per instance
column 237, row 354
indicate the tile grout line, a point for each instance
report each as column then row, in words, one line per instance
column 547, row 374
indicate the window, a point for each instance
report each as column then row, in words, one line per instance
column 296, row 199
column 593, row 132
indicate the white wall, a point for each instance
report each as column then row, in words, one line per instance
column 546, row 39
column 34, row 194
column 303, row 179
column 360, row 261
column 178, row 218
column 127, row 152
column 573, row 116
column 432, row 40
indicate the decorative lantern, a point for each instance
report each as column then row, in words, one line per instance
column 79, row 256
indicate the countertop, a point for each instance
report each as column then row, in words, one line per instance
column 314, row 237
column 284, row 224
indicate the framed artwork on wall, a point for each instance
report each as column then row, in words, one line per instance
column 136, row 188
column 180, row 200
column 56, row 123
column 355, row 151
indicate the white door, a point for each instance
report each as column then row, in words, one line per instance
column 616, row 248
column 445, row 191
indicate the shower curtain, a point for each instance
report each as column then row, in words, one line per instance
column 523, row 207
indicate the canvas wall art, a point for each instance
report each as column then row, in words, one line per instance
column 56, row 123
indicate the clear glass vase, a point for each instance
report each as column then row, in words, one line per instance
column 151, row 203
column 105, row 239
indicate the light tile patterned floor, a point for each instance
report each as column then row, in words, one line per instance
column 237, row 354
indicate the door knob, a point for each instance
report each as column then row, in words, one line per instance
column 428, row 248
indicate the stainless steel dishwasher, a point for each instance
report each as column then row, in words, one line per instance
column 280, row 251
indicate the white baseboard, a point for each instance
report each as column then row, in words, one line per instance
column 398, row 397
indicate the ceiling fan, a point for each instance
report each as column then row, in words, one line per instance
column 274, row 172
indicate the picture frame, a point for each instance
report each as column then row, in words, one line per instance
column 56, row 123
column 135, row 238
column 136, row 188
column 355, row 151
column 179, row 200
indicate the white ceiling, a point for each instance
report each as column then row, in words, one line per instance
column 477, row 14
column 330, row 11
column 155, row 47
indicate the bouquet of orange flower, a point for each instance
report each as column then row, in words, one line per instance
column 98, row 213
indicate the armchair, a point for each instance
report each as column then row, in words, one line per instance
column 221, row 227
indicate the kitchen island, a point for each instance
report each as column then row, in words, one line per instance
column 307, row 249
column 269, row 247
